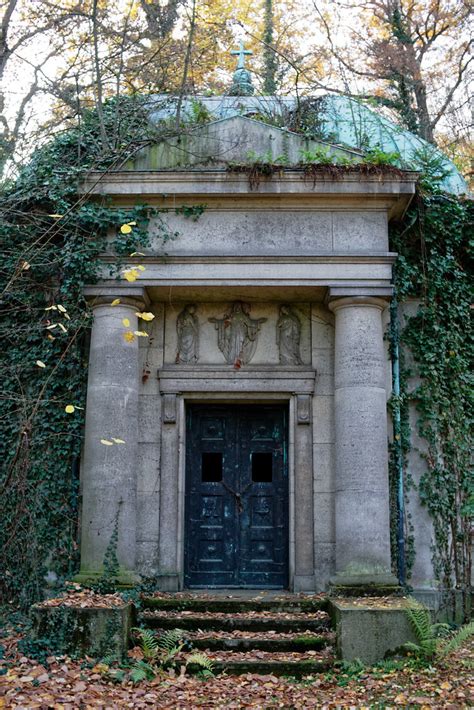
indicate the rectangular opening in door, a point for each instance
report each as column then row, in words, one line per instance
column 236, row 500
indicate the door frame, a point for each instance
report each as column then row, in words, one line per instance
column 282, row 406
column 182, row 386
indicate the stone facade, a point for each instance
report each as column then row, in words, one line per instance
column 275, row 294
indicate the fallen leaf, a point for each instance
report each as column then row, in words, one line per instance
column 106, row 442
column 40, row 363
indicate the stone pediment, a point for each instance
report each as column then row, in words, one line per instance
column 236, row 139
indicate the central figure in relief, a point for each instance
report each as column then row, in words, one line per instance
column 237, row 334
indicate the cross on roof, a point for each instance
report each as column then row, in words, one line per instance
column 241, row 53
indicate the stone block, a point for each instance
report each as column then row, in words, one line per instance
column 89, row 631
column 148, row 469
column 230, row 232
column 322, row 327
column 148, row 515
column 369, row 631
column 323, row 419
column 360, row 231
column 324, row 563
column 324, row 517
column 149, row 418
column 324, row 468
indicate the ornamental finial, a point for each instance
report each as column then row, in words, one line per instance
column 242, row 81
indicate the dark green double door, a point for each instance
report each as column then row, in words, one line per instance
column 236, row 532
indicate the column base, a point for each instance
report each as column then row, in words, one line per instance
column 375, row 584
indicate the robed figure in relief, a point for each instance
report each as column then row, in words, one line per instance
column 237, row 334
column 187, row 328
column 288, row 334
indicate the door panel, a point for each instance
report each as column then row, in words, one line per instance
column 236, row 497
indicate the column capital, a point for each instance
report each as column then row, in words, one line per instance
column 133, row 296
column 334, row 304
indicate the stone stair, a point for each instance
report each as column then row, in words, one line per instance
column 276, row 634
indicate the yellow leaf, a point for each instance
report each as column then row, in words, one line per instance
column 62, row 327
column 130, row 274
column 51, row 308
column 40, row 363
column 137, row 253
column 115, row 302
column 140, row 267
column 69, row 408
column 25, row 265
column 141, row 333
column 126, row 322
column 50, row 327
column 66, row 315
column 56, row 216
column 128, row 336
column 145, row 316
column 118, row 441
column 132, row 224
column 51, row 337
column 61, row 308
column 106, row 442
column 446, row 686
column 125, row 229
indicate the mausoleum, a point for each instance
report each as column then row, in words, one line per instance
column 254, row 412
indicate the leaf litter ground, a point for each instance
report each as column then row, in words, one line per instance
column 64, row 684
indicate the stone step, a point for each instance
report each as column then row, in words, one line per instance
column 261, row 641
column 283, row 603
column 245, row 621
column 271, row 663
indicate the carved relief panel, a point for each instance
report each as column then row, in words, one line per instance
column 238, row 334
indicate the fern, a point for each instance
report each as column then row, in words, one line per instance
column 458, row 639
column 170, row 639
column 141, row 670
column 148, row 644
column 420, row 619
column 427, row 633
column 201, row 660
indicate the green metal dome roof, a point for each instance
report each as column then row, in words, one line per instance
column 340, row 121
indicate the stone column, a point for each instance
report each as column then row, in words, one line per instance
column 362, row 496
column 109, row 471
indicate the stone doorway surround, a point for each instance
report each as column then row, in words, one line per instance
column 294, row 386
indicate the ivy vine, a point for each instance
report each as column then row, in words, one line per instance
column 434, row 266
column 52, row 239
